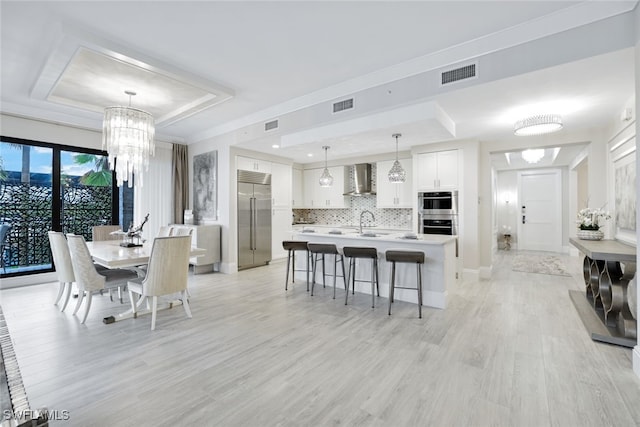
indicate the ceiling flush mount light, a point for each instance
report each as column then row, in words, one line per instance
column 397, row 175
column 533, row 156
column 538, row 125
column 326, row 180
column 128, row 136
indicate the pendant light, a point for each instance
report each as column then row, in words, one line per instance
column 397, row 175
column 326, row 180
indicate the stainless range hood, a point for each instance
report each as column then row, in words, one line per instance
column 362, row 180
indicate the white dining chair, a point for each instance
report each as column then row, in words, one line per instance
column 167, row 274
column 103, row 232
column 88, row 279
column 165, row 231
column 62, row 262
column 182, row 231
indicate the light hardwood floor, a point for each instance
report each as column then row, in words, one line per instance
column 507, row 352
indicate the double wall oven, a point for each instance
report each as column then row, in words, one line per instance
column 438, row 212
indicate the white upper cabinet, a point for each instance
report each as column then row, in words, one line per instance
column 317, row 197
column 280, row 185
column 438, row 171
column 297, row 188
column 249, row 164
column 390, row 195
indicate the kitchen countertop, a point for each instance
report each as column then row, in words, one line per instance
column 346, row 227
column 382, row 236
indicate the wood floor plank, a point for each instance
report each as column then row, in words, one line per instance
column 508, row 351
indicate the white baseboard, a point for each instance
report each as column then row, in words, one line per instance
column 485, row 272
column 469, row 275
column 28, row 280
column 636, row 360
column 228, row 267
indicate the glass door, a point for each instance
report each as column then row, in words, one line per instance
column 47, row 187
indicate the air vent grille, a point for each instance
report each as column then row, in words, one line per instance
column 347, row 104
column 458, row 74
column 273, row 124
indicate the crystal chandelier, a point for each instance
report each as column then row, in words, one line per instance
column 533, row 156
column 127, row 135
column 397, row 175
column 326, row 180
column 538, row 125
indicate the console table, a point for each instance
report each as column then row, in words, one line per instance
column 606, row 284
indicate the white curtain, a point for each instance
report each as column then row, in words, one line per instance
column 155, row 197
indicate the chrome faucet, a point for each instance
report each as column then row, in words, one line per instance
column 373, row 218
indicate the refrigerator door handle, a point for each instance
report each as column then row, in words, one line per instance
column 251, row 218
column 254, row 224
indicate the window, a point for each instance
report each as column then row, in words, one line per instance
column 51, row 187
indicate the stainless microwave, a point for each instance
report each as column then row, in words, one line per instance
column 438, row 203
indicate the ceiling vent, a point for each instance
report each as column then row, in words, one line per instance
column 273, row 124
column 462, row 73
column 347, row 104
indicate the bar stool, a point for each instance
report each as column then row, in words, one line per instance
column 291, row 246
column 353, row 253
column 317, row 250
column 407, row 257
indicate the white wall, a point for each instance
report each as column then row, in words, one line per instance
column 507, row 204
column 18, row 127
column 226, row 195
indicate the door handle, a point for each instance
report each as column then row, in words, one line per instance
column 523, row 219
column 252, row 215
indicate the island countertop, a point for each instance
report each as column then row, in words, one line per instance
column 382, row 235
column 439, row 269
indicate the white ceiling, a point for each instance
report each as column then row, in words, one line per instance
column 286, row 60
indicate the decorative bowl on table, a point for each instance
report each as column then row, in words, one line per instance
column 590, row 234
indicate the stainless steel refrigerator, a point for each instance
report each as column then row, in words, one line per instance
column 254, row 219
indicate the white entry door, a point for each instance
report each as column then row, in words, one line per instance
column 540, row 216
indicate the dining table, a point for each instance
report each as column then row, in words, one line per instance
column 110, row 254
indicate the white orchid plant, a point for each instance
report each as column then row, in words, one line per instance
column 591, row 219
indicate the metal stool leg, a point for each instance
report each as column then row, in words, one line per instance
column 392, row 282
column 313, row 274
column 293, row 269
column 419, row 291
column 350, row 276
column 308, row 255
column 335, row 261
column 373, row 294
column 286, row 280
column 375, row 264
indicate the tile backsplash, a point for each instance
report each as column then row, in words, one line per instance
column 392, row 218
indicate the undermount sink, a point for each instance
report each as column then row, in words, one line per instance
column 372, row 234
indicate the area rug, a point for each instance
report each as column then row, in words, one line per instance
column 541, row 264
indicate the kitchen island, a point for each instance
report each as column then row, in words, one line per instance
column 438, row 272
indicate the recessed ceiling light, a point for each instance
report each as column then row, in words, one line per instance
column 275, row 146
column 310, row 155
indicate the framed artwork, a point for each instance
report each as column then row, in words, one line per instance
column 205, row 186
